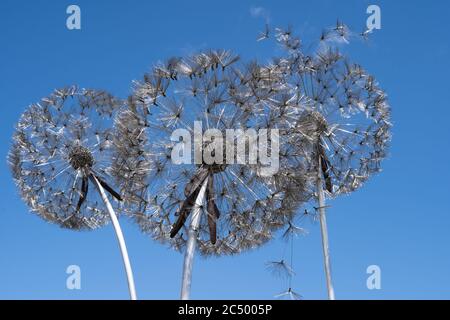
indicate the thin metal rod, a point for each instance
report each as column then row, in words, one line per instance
column 120, row 238
column 324, row 231
column 191, row 243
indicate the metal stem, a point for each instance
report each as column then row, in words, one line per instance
column 120, row 238
column 324, row 231
column 191, row 243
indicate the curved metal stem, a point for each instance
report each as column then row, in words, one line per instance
column 191, row 243
column 120, row 238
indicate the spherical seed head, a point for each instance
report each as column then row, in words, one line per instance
column 346, row 118
column 81, row 157
column 68, row 131
column 221, row 94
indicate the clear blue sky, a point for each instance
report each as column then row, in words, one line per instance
column 400, row 220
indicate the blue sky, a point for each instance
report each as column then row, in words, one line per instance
column 399, row 220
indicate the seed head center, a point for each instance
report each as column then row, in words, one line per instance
column 320, row 122
column 81, row 157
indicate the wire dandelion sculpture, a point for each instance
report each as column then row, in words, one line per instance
column 233, row 198
column 290, row 294
column 280, row 268
column 283, row 268
column 64, row 145
column 342, row 126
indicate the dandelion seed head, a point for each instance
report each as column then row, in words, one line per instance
column 242, row 206
column 57, row 143
column 346, row 117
